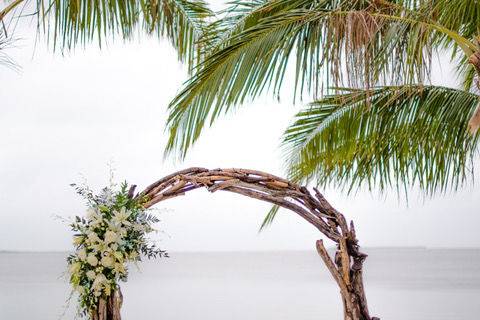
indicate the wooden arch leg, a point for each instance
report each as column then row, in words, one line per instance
column 109, row 309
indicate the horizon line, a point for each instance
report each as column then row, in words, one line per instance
column 274, row 250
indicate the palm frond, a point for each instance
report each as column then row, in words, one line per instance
column 239, row 15
column 230, row 20
column 268, row 220
column 337, row 43
column 9, row 7
column 7, row 38
column 69, row 23
column 385, row 137
column 463, row 16
column 5, row 59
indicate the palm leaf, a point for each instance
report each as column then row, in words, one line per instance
column 69, row 23
column 385, row 137
column 322, row 38
column 7, row 14
column 460, row 15
column 5, row 59
column 268, row 220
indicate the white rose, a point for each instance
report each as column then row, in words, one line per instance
column 91, row 274
column 82, row 254
column 93, row 237
column 107, row 261
column 99, row 280
column 92, row 260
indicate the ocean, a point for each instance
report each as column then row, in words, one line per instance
column 401, row 284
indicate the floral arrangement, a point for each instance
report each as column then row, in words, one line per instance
column 112, row 234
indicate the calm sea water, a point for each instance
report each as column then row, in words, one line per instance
column 413, row 284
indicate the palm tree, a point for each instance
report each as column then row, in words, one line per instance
column 375, row 120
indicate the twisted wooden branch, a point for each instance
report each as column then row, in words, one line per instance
column 346, row 268
column 251, row 183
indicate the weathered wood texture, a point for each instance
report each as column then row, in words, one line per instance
column 109, row 309
column 347, row 265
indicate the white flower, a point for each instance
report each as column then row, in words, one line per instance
column 82, row 254
column 107, row 261
column 110, row 237
column 119, row 268
column 121, row 216
column 77, row 240
column 98, row 282
column 114, row 226
column 93, row 237
column 139, row 227
column 118, row 255
column 100, row 247
column 133, row 255
column 92, row 260
column 75, row 267
column 91, row 274
column 122, row 232
column 95, row 216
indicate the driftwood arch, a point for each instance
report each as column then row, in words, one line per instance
column 347, row 264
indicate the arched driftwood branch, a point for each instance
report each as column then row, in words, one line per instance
column 345, row 267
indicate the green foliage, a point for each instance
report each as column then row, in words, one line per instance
column 394, row 131
column 387, row 136
column 330, row 43
column 70, row 23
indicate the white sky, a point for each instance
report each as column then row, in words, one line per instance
column 65, row 118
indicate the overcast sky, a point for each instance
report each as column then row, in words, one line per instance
column 64, row 119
